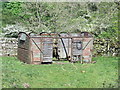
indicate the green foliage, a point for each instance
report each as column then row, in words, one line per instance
column 102, row 74
column 11, row 12
column 13, row 7
column 92, row 7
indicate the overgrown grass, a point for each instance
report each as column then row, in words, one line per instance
column 102, row 74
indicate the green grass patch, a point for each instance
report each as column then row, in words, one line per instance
column 104, row 73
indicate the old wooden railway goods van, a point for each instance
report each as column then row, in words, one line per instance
column 37, row 49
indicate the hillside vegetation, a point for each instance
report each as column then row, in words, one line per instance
column 101, row 19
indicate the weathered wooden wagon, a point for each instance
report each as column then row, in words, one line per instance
column 37, row 49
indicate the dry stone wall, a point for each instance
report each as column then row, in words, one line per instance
column 105, row 47
column 102, row 47
column 8, row 46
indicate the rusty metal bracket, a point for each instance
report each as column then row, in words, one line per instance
column 77, row 45
column 86, row 44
